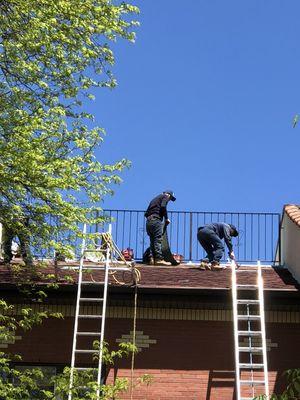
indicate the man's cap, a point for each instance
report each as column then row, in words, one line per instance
column 171, row 193
column 234, row 231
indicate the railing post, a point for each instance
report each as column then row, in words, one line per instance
column 279, row 240
column 191, row 237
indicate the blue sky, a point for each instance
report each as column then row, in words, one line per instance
column 204, row 106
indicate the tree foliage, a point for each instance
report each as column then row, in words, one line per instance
column 53, row 54
column 292, row 391
column 29, row 384
column 33, row 383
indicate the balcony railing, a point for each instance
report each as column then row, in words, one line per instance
column 258, row 233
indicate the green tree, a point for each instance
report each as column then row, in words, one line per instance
column 29, row 384
column 32, row 383
column 292, row 392
column 52, row 55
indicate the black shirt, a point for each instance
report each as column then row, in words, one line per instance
column 158, row 206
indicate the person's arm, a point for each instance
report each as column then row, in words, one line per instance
column 163, row 208
column 228, row 240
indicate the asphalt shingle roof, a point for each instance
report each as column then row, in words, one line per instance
column 179, row 277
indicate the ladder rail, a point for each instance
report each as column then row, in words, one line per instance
column 235, row 323
column 250, row 342
column 258, row 288
column 263, row 328
column 107, row 263
column 77, row 313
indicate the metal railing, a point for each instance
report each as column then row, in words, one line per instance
column 257, row 240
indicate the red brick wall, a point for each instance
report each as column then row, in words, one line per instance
column 192, row 360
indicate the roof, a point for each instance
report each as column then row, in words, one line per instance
column 293, row 212
column 194, row 278
column 155, row 277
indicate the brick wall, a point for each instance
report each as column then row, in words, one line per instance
column 190, row 360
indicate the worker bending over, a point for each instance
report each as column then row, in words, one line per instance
column 157, row 215
column 210, row 237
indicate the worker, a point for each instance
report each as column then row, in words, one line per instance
column 210, row 237
column 20, row 230
column 157, row 216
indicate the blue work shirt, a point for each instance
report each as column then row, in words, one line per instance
column 222, row 230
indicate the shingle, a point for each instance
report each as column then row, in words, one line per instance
column 179, row 277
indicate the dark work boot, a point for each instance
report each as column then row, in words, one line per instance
column 204, row 264
column 215, row 266
column 151, row 261
column 162, row 263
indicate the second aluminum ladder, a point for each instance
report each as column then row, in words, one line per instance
column 99, row 316
column 249, row 328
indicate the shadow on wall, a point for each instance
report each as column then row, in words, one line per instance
column 286, row 276
column 220, row 379
column 281, row 381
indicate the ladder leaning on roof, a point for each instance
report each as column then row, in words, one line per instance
column 83, row 299
column 250, row 312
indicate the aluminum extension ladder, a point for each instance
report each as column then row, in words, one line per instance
column 83, row 298
column 249, row 312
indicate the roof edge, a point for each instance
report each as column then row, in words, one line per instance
column 293, row 212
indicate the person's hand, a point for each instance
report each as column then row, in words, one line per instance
column 231, row 255
column 168, row 221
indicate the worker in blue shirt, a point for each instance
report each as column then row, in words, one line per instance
column 210, row 237
column 157, row 216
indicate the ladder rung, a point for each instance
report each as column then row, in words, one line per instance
column 246, row 270
column 129, row 268
column 98, row 299
column 249, row 333
column 251, row 349
column 89, row 333
column 244, row 301
column 94, row 250
column 86, row 351
column 246, row 286
column 251, row 366
column 246, row 398
column 91, row 283
column 89, row 316
column 102, row 268
column 252, row 383
column 83, row 369
column 248, row 317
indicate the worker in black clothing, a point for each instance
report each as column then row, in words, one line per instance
column 210, row 237
column 17, row 228
column 155, row 214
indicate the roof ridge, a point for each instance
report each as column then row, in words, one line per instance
column 293, row 212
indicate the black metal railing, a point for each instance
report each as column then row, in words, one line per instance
column 258, row 233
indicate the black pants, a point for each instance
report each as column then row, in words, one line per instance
column 211, row 243
column 154, row 228
column 8, row 236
